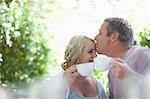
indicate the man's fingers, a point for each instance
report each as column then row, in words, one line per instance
column 118, row 60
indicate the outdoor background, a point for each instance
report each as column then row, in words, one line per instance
column 34, row 33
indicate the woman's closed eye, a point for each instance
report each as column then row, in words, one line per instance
column 90, row 51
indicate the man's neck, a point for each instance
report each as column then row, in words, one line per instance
column 120, row 50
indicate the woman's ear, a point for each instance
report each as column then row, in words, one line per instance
column 114, row 36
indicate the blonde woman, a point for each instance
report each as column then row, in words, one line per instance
column 80, row 49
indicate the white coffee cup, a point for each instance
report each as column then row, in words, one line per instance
column 85, row 69
column 102, row 62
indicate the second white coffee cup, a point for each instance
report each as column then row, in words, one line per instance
column 102, row 62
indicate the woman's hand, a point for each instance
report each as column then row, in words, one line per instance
column 71, row 74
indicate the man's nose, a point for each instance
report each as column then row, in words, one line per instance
column 95, row 38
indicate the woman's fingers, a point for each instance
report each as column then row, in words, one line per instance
column 71, row 69
column 72, row 74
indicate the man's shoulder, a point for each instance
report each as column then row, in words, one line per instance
column 139, row 50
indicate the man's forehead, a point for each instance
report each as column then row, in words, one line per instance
column 104, row 25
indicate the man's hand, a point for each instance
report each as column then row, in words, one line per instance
column 120, row 69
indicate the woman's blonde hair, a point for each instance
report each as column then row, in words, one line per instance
column 74, row 50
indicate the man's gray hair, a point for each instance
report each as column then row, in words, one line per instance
column 122, row 27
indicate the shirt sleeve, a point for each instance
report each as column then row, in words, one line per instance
column 110, row 92
column 100, row 89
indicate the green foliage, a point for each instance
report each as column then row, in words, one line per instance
column 6, row 1
column 144, row 38
column 23, row 48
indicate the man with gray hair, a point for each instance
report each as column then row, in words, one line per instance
column 115, row 39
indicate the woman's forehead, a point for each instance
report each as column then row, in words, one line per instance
column 90, row 45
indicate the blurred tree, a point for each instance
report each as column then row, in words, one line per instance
column 144, row 38
column 24, row 54
column 6, row 1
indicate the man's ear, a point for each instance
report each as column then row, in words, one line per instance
column 114, row 36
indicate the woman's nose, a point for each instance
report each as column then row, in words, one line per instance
column 96, row 37
column 94, row 55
